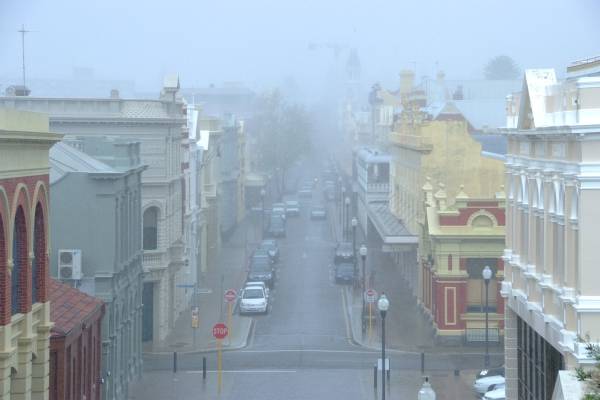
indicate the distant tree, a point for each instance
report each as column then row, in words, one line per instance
column 283, row 135
column 501, row 67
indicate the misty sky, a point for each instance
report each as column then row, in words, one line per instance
column 264, row 42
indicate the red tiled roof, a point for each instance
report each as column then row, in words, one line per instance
column 69, row 307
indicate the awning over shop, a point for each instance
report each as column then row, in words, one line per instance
column 391, row 230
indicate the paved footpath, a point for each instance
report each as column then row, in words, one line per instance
column 229, row 272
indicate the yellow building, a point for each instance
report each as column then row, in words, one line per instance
column 432, row 141
column 24, row 242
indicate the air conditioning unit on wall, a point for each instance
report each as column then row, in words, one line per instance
column 69, row 264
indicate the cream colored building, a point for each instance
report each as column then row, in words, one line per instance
column 25, row 324
column 553, row 224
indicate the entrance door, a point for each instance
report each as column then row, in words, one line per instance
column 148, row 311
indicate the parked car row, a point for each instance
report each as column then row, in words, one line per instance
column 262, row 269
column 490, row 384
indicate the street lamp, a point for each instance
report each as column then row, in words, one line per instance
column 346, row 222
column 262, row 212
column 354, row 222
column 383, row 304
column 487, row 276
column 426, row 392
column 342, row 218
column 363, row 256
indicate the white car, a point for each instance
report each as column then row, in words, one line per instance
column 482, row 385
column 259, row 284
column 254, row 299
column 292, row 208
column 497, row 394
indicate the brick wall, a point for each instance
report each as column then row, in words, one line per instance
column 23, row 193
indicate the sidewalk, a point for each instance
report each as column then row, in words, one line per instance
column 407, row 328
column 228, row 273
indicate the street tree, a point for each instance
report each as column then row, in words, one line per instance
column 282, row 134
column 501, row 67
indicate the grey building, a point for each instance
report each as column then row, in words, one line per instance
column 96, row 210
column 159, row 125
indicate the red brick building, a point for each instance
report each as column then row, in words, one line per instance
column 24, row 309
column 75, row 343
column 459, row 241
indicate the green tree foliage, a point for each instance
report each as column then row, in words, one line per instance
column 501, row 67
column 591, row 376
column 282, row 135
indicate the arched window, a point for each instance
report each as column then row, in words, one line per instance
column 3, row 277
column 19, row 256
column 38, row 266
column 151, row 228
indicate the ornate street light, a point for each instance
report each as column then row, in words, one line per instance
column 487, row 276
column 426, row 392
column 383, row 304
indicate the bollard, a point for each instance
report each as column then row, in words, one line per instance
column 204, row 368
column 375, row 377
column 422, row 363
column 174, row 362
column 387, row 372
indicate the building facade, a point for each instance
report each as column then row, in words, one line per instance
column 25, row 323
column 159, row 125
column 459, row 241
column 75, row 344
column 109, row 203
column 553, row 187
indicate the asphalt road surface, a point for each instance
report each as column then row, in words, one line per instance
column 302, row 349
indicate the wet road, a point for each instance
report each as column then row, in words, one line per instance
column 302, row 349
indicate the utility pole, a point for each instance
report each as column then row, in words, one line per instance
column 22, row 31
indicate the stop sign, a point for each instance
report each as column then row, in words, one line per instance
column 220, row 331
column 230, row 295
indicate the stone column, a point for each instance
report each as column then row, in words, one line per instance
column 510, row 353
column 40, row 371
column 21, row 383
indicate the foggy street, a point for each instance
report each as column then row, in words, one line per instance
column 303, row 348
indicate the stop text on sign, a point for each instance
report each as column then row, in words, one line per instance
column 220, row 331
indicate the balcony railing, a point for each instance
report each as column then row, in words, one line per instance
column 380, row 187
column 416, row 142
column 154, row 259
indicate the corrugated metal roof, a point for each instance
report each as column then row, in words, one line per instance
column 65, row 159
column 390, row 228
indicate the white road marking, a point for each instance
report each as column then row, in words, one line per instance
column 247, row 371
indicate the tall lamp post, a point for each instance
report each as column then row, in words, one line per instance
column 487, row 276
column 354, row 222
column 346, row 218
column 262, row 212
column 363, row 256
column 383, row 304
column 342, row 217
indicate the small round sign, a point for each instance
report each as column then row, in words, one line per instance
column 220, row 331
column 230, row 295
column 370, row 295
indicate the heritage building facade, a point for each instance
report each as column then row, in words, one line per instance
column 551, row 258
column 24, row 238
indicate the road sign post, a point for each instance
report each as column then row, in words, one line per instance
column 370, row 297
column 230, row 296
column 220, row 332
column 195, row 322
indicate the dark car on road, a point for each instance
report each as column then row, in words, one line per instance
column 344, row 272
column 271, row 247
column 276, row 227
column 261, row 270
column 343, row 253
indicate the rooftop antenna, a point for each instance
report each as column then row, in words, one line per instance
column 22, row 31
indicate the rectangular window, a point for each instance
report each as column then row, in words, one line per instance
column 538, row 363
